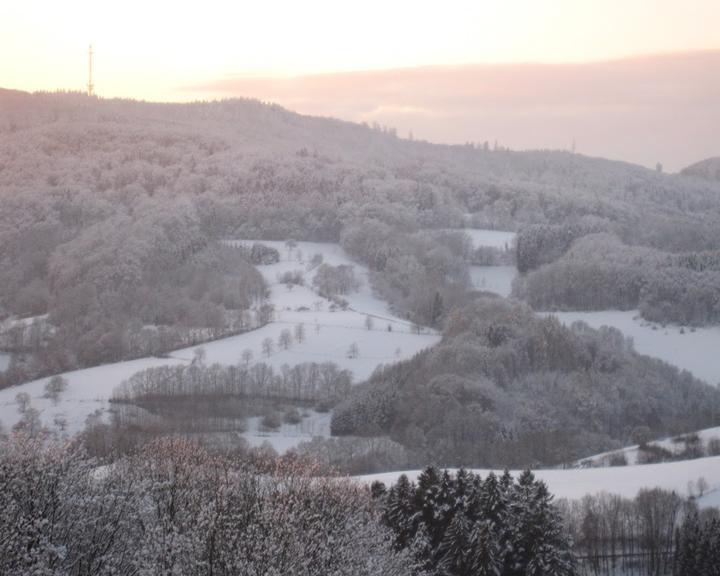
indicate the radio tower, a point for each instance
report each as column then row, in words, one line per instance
column 90, row 86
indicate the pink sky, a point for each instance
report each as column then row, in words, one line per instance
column 421, row 60
column 644, row 110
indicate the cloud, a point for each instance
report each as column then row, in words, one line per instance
column 660, row 108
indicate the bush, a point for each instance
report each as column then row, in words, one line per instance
column 652, row 454
column 713, row 447
column 271, row 421
column 54, row 387
column 617, row 459
column 292, row 416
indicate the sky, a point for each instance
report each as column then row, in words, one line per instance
column 179, row 51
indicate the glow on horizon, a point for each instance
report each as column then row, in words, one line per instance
column 153, row 49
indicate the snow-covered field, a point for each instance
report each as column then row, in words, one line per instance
column 328, row 337
column 489, row 238
column 696, row 351
column 329, row 331
column 495, row 279
column 288, row 435
column 624, row 481
column 88, row 390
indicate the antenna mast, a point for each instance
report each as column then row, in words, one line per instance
column 90, row 86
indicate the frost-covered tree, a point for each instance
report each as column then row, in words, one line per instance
column 285, row 339
column 55, row 387
column 460, row 525
column 299, row 333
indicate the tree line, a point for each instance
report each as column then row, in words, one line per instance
column 174, row 508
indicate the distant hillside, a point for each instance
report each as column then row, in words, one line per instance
column 708, row 169
column 69, row 139
column 649, row 109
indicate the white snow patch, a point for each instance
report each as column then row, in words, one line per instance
column 488, row 238
column 88, row 390
column 495, row 279
column 288, row 436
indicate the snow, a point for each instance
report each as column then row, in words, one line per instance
column 488, row 238
column 88, row 390
column 697, row 351
column 495, row 279
column 328, row 336
column 14, row 322
column 624, row 481
column 288, row 435
column 4, row 361
column 631, row 452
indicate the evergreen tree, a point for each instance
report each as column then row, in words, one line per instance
column 688, row 538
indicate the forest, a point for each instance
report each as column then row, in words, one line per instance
column 508, row 388
column 174, row 507
column 112, row 247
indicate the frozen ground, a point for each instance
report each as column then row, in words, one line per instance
column 696, row 351
column 288, row 435
column 495, row 279
column 624, row 481
column 328, row 337
column 489, row 238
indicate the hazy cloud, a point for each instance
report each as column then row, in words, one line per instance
column 644, row 110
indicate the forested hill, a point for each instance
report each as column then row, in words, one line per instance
column 71, row 140
column 708, row 169
column 111, row 212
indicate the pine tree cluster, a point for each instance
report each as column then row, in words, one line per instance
column 698, row 547
column 458, row 525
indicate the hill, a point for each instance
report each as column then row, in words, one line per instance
column 708, row 169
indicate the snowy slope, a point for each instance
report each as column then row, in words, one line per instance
column 631, row 452
column 88, row 390
column 329, row 332
column 624, row 481
column 697, row 352
column 328, row 336
column 495, row 279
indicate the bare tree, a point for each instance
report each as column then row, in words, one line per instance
column 23, row 401
column 54, row 387
column 353, row 351
column 290, row 245
column 247, row 356
column 285, row 339
column 199, row 355
column 267, row 347
column 702, row 486
column 369, row 323
column 300, row 333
